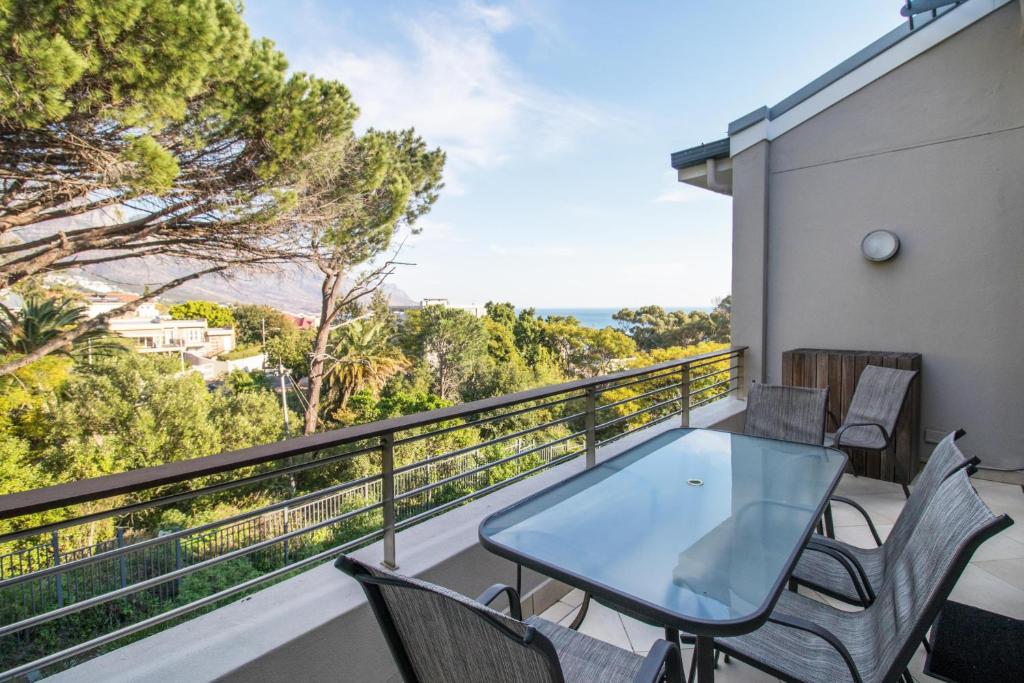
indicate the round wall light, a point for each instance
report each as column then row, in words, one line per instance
column 880, row 245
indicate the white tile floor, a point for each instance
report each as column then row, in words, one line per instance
column 993, row 581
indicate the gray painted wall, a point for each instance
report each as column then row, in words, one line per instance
column 935, row 152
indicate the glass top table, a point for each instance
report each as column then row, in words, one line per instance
column 695, row 529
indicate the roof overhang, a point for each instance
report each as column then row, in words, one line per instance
column 699, row 165
column 707, row 166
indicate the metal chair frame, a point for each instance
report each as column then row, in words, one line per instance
column 662, row 663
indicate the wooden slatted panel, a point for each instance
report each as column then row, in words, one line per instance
column 839, row 370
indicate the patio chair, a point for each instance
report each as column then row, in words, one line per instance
column 807, row 640
column 439, row 636
column 874, row 409
column 853, row 574
column 786, row 413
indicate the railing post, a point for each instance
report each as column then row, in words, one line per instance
column 122, row 560
column 590, row 425
column 285, row 527
column 684, row 395
column 387, row 494
column 177, row 562
column 59, row 577
column 741, row 377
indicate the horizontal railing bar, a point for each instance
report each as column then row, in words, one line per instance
column 62, row 495
column 639, row 396
column 209, row 526
column 727, row 354
column 139, row 586
column 711, row 386
column 183, row 609
column 482, row 444
column 171, row 576
column 694, row 378
column 641, row 380
column 645, row 425
column 484, row 491
column 484, row 420
column 185, row 495
column 711, row 398
column 486, row 466
column 638, row 412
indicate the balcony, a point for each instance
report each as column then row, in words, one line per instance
column 251, row 594
column 110, row 566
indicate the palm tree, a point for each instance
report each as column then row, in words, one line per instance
column 361, row 358
column 40, row 320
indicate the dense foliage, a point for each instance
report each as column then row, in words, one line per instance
column 162, row 129
column 653, row 327
column 214, row 314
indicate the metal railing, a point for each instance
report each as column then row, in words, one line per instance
column 58, row 605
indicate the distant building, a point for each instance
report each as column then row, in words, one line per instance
column 162, row 334
column 99, row 304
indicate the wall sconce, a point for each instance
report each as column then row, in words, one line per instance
column 880, row 245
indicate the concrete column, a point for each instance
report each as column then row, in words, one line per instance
column 750, row 256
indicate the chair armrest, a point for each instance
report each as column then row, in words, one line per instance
column 492, row 594
column 662, row 657
column 823, row 633
column 859, row 578
column 857, row 506
column 839, row 433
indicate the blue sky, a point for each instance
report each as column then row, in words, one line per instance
column 558, row 118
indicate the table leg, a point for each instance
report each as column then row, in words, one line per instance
column 705, row 654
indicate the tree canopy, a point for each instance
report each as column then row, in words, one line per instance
column 355, row 195
column 214, row 314
column 136, row 128
column 654, row 327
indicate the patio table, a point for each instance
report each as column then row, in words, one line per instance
column 695, row 530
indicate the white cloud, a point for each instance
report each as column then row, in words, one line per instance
column 452, row 82
column 496, row 17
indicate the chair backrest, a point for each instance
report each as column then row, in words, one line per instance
column 438, row 635
column 786, row 413
column 946, row 459
column 879, row 396
column 954, row 523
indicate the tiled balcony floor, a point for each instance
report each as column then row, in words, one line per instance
column 994, row 580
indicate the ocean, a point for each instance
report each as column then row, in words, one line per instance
column 602, row 317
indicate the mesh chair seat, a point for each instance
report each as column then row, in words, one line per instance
column 786, row 413
column 439, row 636
column 803, row 656
column 877, row 400
column 881, row 639
column 585, row 659
column 822, row 572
